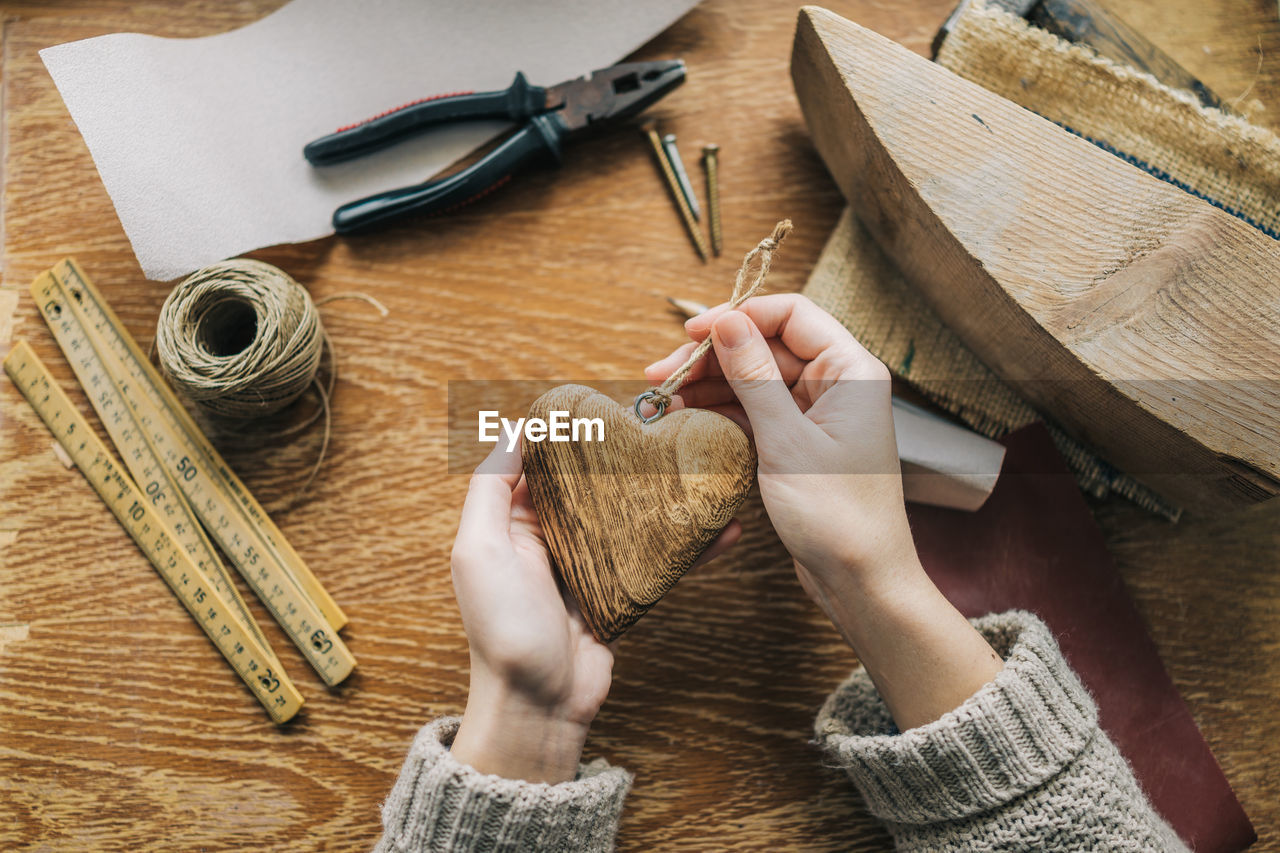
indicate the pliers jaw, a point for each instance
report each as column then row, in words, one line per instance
column 615, row 93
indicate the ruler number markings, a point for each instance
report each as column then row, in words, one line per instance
column 130, row 439
column 192, row 471
column 126, row 352
column 130, row 507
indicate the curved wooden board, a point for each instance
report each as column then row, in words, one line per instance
column 1146, row 321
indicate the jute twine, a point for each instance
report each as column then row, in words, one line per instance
column 661, row 395
column 242, row 340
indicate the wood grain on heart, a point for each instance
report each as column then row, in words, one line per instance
column 627, row 516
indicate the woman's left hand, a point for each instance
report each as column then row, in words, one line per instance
column 538, row 676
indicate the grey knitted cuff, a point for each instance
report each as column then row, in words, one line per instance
column 439, row 803
column 1011, row 736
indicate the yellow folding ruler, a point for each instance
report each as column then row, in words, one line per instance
column 184, row 478
column 211, row 610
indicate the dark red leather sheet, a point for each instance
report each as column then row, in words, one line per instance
column 1035, row 546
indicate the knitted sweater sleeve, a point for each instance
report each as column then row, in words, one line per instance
column 441, row 804
column 1021, row 765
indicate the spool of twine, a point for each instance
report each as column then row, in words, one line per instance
column 241, row 339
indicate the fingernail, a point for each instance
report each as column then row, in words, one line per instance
column 733, row 330
column 655, row 364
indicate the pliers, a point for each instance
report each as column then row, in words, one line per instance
column 550, row 116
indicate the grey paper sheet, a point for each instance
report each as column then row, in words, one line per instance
column 199, row 141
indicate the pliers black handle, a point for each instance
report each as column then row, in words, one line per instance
column 539, row 137
column 549, row 116
column 518, row 102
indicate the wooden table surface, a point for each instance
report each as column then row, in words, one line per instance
column 121, row 727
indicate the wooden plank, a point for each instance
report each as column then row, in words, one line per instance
column 1145, row 320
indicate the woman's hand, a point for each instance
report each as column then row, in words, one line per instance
column 817, row 404
column 538, row 676
column 820, row 410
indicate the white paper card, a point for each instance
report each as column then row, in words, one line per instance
column 199, row 141
column 944, row 464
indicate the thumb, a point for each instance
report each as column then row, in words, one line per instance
column 486, row 513
column 749, row 367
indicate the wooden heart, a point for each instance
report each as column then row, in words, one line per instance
column 625, row 517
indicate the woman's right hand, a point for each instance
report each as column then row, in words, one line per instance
column 819, row 407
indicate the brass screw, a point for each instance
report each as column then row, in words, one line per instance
column 710, row 159
column 676, row 195
column 682, row 177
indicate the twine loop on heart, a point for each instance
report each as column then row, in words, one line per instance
column 660, row 396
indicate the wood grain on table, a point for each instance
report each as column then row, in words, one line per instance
column 122, row 728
